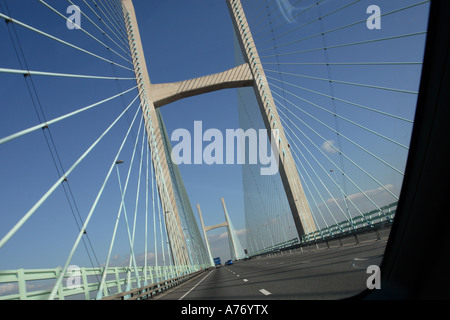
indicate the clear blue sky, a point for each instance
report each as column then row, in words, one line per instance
column 182, row 39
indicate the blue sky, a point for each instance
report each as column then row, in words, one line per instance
column 182, row 40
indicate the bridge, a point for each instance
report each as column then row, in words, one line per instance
column 119, row 117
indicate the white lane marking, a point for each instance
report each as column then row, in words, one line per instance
column 265, row 292
column 195, row 285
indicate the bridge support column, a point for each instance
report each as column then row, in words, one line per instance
column 204, row 235
column 291, row 181
column 154, row 135
column 236, row 250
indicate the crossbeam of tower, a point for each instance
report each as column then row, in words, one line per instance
column 164, row 93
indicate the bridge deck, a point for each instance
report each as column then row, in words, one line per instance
column 312, row 274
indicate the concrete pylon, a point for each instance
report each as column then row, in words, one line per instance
column 236, row 251
column 154, row 135
column 298, row 202
column 204, row 235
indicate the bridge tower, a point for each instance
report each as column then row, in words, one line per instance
column 155, row 138
column 298, row 202
column 249, row 74
column 236, row 250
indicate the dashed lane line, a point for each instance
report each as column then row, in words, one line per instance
column 265, row 292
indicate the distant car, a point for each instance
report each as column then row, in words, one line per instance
column 229, row 262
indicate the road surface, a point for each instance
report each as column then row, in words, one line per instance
column 329, row 273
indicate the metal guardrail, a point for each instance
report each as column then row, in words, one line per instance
column 151, row 290
column 371, row 221
column 37, row 284
column 358, row 224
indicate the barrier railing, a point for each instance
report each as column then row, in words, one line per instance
column 359, row 224
column 152, row 289
column 370, row 221
column 83, row 283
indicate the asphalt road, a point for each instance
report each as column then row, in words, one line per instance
column 328, row 273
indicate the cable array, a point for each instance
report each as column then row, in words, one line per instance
column 346, row 95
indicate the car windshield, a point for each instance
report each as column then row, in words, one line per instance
column 150, row 141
